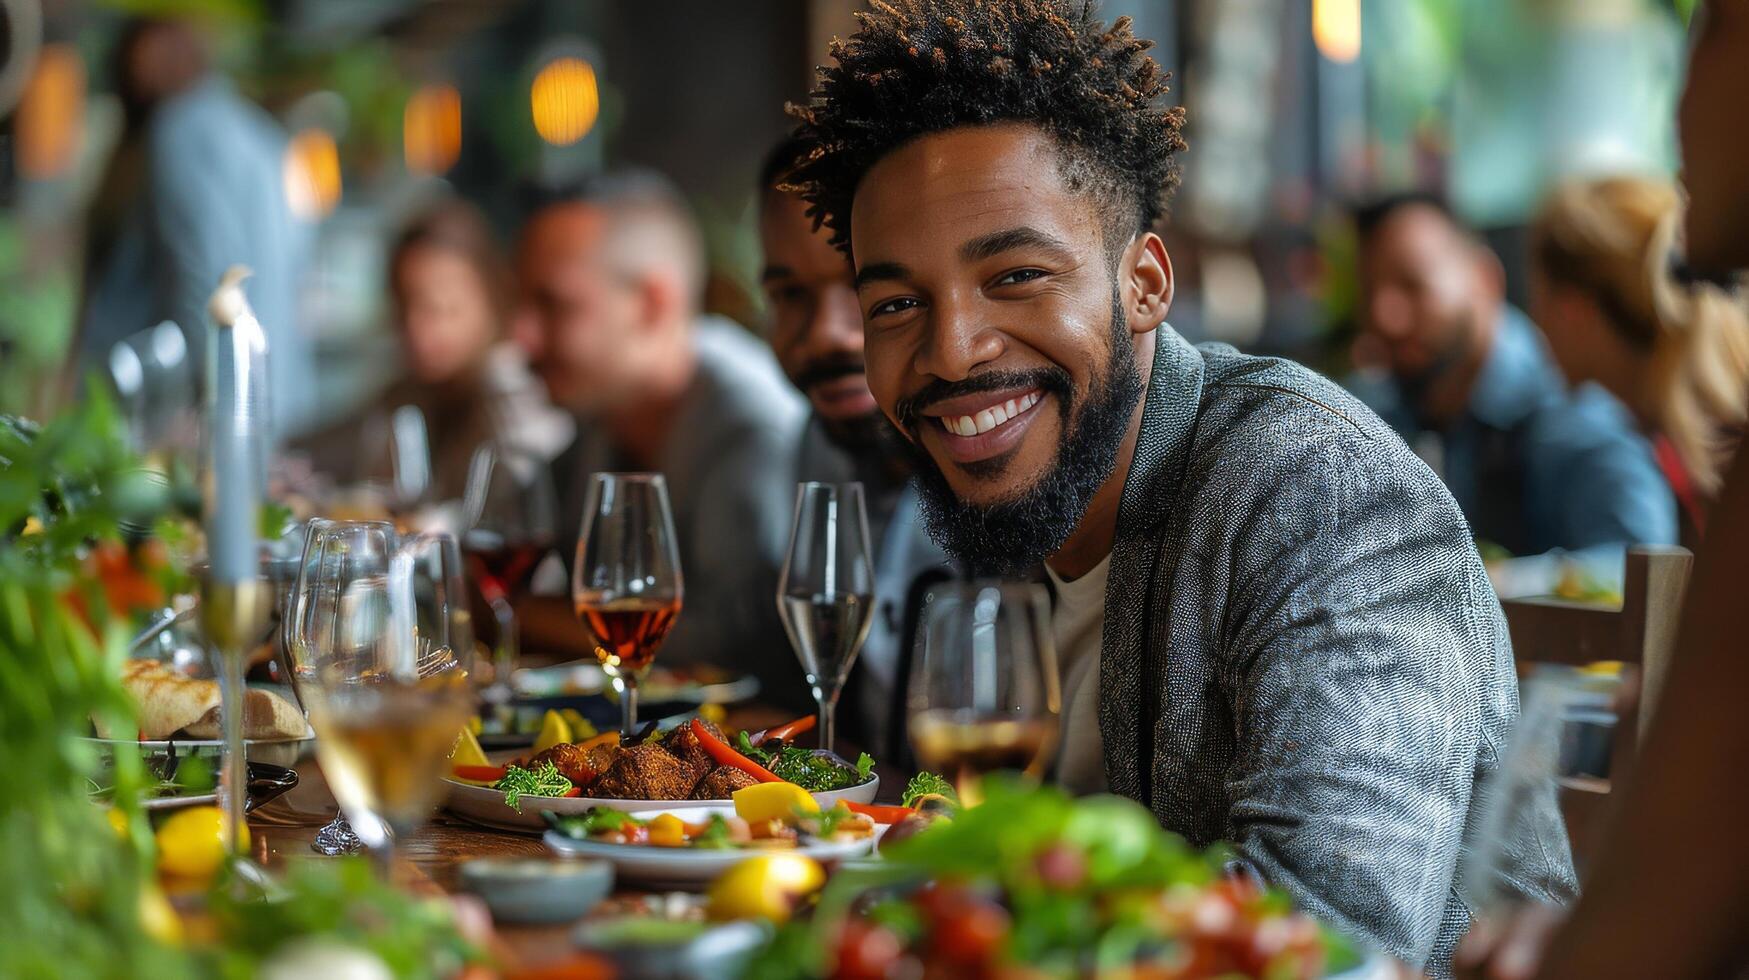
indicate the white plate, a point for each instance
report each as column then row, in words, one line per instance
column 685, row 867
column 484, row 805
column 280, row 752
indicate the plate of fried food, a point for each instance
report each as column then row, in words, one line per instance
column 694, row 765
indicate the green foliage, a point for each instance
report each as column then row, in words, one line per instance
column 812, row 772
column 342, row 902
column 73, row 885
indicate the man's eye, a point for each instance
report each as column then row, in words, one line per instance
column 1020, row 276
column 899, row 305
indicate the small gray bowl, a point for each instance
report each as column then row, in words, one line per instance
column 537, row 891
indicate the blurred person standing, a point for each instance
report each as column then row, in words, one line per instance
column 1677, row 355
column 195, row 186
column 452, row 300
column 817, row 337
column 611, row 275
column 1471, row 387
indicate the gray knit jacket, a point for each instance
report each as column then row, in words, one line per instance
column 1302, row 655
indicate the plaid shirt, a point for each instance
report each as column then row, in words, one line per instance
column 1302, row 655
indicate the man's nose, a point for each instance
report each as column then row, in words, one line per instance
column 1388, row 314
column 957, row 339
column 525, row 332
column 834, row 325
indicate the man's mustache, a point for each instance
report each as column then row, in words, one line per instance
column 824, row 369
column 1052, row 380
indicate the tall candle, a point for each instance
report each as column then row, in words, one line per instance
column 237, row 420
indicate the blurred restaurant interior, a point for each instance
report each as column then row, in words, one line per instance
column 387, row 103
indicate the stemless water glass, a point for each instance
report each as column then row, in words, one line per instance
column 825, row 594
column 383, row 662
column 509, row 515
column 626, row 584
column 984, row 695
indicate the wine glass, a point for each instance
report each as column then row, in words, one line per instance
column 825, row 594
column 984, row 697
column 383, row 658
column 626, row 584
column 508, row 515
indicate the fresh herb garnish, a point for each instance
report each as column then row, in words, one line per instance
column 599, row 820
column 925, row 783
column 519, row 782
column 715, row 836
column 827, row 821
column 806, row 768
column 864, row 767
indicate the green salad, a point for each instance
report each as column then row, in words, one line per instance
column 807, row 768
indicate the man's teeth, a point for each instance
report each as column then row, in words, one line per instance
column 989, row 418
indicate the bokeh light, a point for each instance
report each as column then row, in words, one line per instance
column 565, row 101
column 51, row 114
column 431, row 129
column 1336, row 29
column 312, row 174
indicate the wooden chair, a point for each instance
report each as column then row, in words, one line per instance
column 1641, row 634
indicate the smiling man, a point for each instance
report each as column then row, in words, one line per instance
column 1272, row 626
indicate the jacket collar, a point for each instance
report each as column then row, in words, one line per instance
column 1126, row 711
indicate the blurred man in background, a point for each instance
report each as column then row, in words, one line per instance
column 817, row 336
column 611, row 275
column 1471, row 387
column 196, row 185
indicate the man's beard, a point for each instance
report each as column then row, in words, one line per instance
column 1013, row 535
column 858, row 435
column 1415, row 389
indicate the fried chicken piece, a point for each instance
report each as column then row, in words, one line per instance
column 601, row 756
column 571, row 761
column 721, row 783
column 683, row 744
column 644, row 772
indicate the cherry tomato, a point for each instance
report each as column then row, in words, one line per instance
column 866, row 951
column 970, row 930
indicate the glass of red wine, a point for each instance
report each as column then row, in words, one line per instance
column 626, row 584
column 510, row 518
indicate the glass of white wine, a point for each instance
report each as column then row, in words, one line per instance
column 384, row 660
column 984, row 695
column 826, row 592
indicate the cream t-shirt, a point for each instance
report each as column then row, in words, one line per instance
column 1077, row 626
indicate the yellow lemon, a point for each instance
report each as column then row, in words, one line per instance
column 772, row 801
column 467, row 751
column 157, row 918
column 191, row 843
column 475, row 725
column 581, row 728
column 667, row 830
column 765, row 887
column 118, row 821
column 554, row 730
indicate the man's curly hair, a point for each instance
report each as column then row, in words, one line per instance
column 917, row 67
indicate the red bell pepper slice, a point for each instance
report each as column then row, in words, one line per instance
column 787, row 731
column 725, row 755
column 881, row 814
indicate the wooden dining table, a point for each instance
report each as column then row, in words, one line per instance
column 429, row 861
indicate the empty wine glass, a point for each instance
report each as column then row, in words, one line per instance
column 984, row 696
column 626, row 585
column 825, row 594
column 509, row 518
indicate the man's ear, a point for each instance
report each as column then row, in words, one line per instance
column 659, row 296
column 1149, row 292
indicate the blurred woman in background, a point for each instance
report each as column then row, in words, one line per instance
column 1676, row 354
column 451, row 294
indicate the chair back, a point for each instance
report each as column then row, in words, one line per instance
column 1640, row 634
